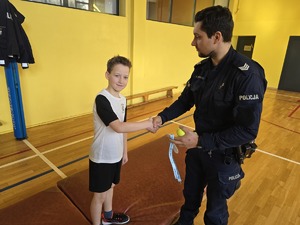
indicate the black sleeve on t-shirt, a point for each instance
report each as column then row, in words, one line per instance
column 104, row 110
column 125, row 117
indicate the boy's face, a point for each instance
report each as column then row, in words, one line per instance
column 118, row 77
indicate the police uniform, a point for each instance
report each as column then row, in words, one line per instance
column 228, row 105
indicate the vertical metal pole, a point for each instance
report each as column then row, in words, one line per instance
column 171, row 10
column 15, row 100
column 194, row 12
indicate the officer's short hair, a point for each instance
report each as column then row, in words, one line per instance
column 216, row 18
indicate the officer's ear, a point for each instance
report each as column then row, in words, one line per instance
column 218, row 37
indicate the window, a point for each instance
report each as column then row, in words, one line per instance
column 158, row 10
column 182, row 12
column 101, row 6
column 178, row 11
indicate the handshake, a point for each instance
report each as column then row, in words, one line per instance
column 154, row 124
column 185, row 137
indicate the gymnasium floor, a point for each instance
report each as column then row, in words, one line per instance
column 270, row 190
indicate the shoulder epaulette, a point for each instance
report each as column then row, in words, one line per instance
column 244, row 64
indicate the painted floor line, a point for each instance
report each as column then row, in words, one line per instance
column 45, row 152
column 57, row 148
column 259, row 150
column 66, row 145
column 75, row 142
column 274, row 124
column 295, row 110
column 14, row 153
column 25, row 181
column 128, row 139
column 289, row 96
column 59, row 172
column 49, row 171
column 9, row 164
column 17, row 161
column 279, row 157
column 192, row 128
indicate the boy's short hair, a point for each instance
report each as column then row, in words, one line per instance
column 117, row 60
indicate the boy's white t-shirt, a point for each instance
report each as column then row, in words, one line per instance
column 108, row 145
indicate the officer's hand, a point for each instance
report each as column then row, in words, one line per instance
column 157, row 122
column 189, row 140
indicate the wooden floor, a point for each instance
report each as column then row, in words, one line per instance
column 270, row 192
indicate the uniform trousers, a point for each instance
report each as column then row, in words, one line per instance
column 208, row 169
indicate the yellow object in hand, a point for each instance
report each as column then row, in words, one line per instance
column 180, row 132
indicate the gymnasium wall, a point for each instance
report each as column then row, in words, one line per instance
column 272, row 22
column 162, row 53
column 71, row 48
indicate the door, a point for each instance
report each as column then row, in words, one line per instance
column 245, row 45
column 290, row 75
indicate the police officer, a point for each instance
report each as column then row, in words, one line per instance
column 227, row 90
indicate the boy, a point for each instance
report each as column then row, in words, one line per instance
column 109, row 149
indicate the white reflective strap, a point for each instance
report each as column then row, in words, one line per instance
column 172, row 148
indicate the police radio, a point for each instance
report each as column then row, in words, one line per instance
column 245, row 151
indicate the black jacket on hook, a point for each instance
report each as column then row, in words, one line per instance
column 14, row 43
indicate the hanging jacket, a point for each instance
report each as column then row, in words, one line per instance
column 14, row 43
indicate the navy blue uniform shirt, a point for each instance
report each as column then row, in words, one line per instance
column 227, row 98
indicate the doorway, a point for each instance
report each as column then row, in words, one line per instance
column 245, row 45
column 290, row 75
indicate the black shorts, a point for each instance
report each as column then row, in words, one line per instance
column 103, row 175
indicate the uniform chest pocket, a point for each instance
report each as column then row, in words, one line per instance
column 223, row 104
column 223, row 96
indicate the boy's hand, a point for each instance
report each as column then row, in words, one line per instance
column 151, row 128
column 125, row 158
column 156, row 123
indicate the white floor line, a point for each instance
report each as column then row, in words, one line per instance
column 58, row 171
column 51, row 150
column 17, row 161
column 290, row 96
column 45, row 152
column 75, row 142
column 279, row 157
column 66, row 145
column 192, row 128
column 267, row 153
